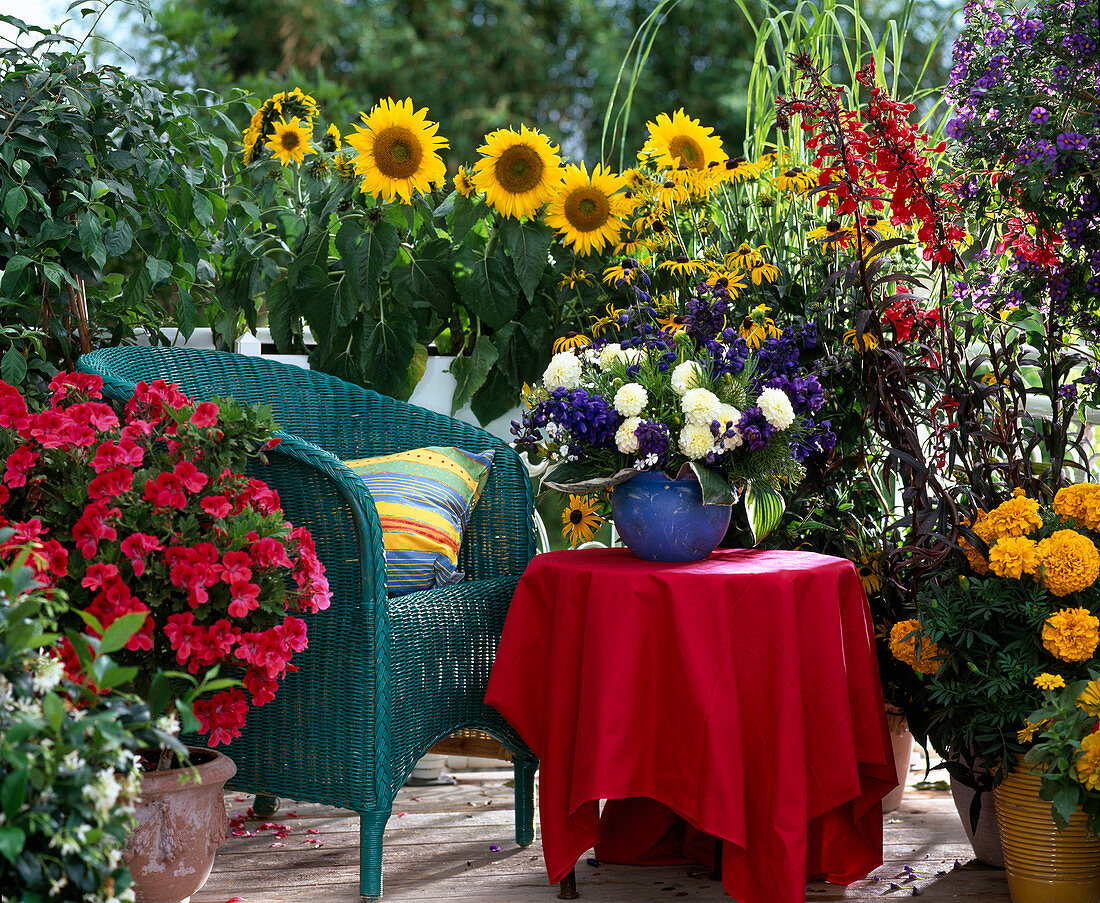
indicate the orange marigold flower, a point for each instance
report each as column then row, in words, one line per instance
column 903, row 646
column 1013, row 557
column 1079, row 503
column 1070, row 562
column 1071, row 634
column 1018, row 516
column 1047, row 681
column 1088, row 762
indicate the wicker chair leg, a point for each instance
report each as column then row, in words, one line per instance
column 371, row 827
column 525, row 800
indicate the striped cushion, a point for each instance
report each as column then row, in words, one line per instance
column 424, row 499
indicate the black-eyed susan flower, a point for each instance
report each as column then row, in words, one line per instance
column 619, row 271
column 518, row 171
column 671, row 323
column 681, row 139
column 764, row 272
column 737, row 170
column 580, row 520
column 794, row 180
column 758, row 327
column 683, row 266
column 570, row 341
column 669, row 193
column 870, row 575
column 744, row 257
column 397, row 150
column 610, row 318
column 290, row 141
column 588, row 210
column 732, row 281
column 574, row 278
column 861, row 342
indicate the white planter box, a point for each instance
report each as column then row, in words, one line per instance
column 436, row 389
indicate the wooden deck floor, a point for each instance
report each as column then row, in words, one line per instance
column 439, row 848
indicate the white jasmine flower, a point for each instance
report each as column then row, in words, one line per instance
column 57, row 884
column 103, row 791
column 48, row 672
column 776, row 408
column 625, row 440
column 7, row 693
column 563, row 371
column 610, row 353
column 72, row 761
column 729, row 417
column 701, row 407
column 169, row 723
column 685, row 376
column 631, row 400
column 696, row 441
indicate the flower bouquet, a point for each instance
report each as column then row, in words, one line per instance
column 694, row 399
column 145, row 521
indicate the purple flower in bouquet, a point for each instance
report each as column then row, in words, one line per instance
column 1039, row 115
column 653, row 440
column 755, row 430
column 805, row 392
column 705, row 312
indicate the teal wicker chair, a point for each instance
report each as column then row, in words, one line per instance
column 383, row 678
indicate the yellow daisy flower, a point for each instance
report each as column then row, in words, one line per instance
column 764, row 271
column 588, row 211
column 794, row 180
column 681, row 139
column 870, row 574
column 671, row 323
column 863, row 343
column 758, row 327
column 397, row 151
column 518, row 171
column 737, row 170
column 683, row 266
column 570, row 341
column 600, row 324
column 574, row 278
column 745, row 257
column 290, row 141
column 580, row 520
column 732, row 282
column 619, row 271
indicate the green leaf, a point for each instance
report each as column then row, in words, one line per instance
column 385, row 350
column 281, row 315
column 11, row 842
column 13, row 366
column 91, row 239
column 352, row 293
column 118, row 634
column 118, row 239
column 427, row 281
column 380, row 248
column 765, row 506
column 488, row 288
column 716, row 488
column 15, row 202
column 463, row 214
column 21, row 167
column 529, row 244
column 159, row 270
column 137, row 288
column 1064, row 804
column 116, row 676
column 204, row 210
column 13, row 791
column 54, row 711
column 470, row 372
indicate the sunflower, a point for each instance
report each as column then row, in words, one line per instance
column 682, row 139
column 683, row 266
column 397, row 150
column 291, row 141
column 580, row 519
column 331, row 140
column 794, row 180
column 464, row 185
column 345, row 167
column 588, row 210
column 518, row 171
column 569, row 341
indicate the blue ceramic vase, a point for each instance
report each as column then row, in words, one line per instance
column 661, row 519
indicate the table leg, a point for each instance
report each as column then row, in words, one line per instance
column 717, row 873
column 567, row 890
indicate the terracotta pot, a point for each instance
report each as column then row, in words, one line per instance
column 902, row 742
column 1044, row 865
column 181, row 822
column 986, row 840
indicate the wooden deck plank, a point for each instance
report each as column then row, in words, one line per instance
column 438, row 850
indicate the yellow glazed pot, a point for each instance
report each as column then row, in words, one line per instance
column 1044, row 865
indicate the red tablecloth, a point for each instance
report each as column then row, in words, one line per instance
column 742, row 692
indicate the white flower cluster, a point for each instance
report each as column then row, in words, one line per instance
column 701, row 407
column 625, row 440
column 776, row 408
column 613, row 352
column 696, row 441
column 631, row 400
column 563, row 372
column 47, row 673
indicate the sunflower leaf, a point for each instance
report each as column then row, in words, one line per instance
column 528, row 242
column 471, row 371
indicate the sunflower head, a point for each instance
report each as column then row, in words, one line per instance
column 291, row 141
column 518, row 171
column 397, row 150
column 588, row 211
column 331, row 140
column 463, row 183
column 680, row 140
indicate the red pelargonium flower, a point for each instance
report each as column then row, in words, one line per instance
column 13, row 410
column 236, row 567
column 110, row 484
column 87, row 384
column 243, row 598
column 205, row 415
column 222, row 715
column 259, row 496
column 152, row 398
column 190, row 476
column 135, row 547
column 19, row 463
column 217, row 506
column 269, row 552
column 92, row 527
column 165, row 491
column 109, row 455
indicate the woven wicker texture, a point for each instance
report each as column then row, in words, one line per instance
column 383, row 679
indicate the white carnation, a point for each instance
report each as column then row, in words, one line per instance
column 631, row 400
column 563, row 371
column 700, row 406
column 696, row 441
column 685, row 376
column 776, row 408
column 610, row 353
column 729, row 417
column 625, row 440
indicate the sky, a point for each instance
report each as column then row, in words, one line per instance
column 50, row 12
